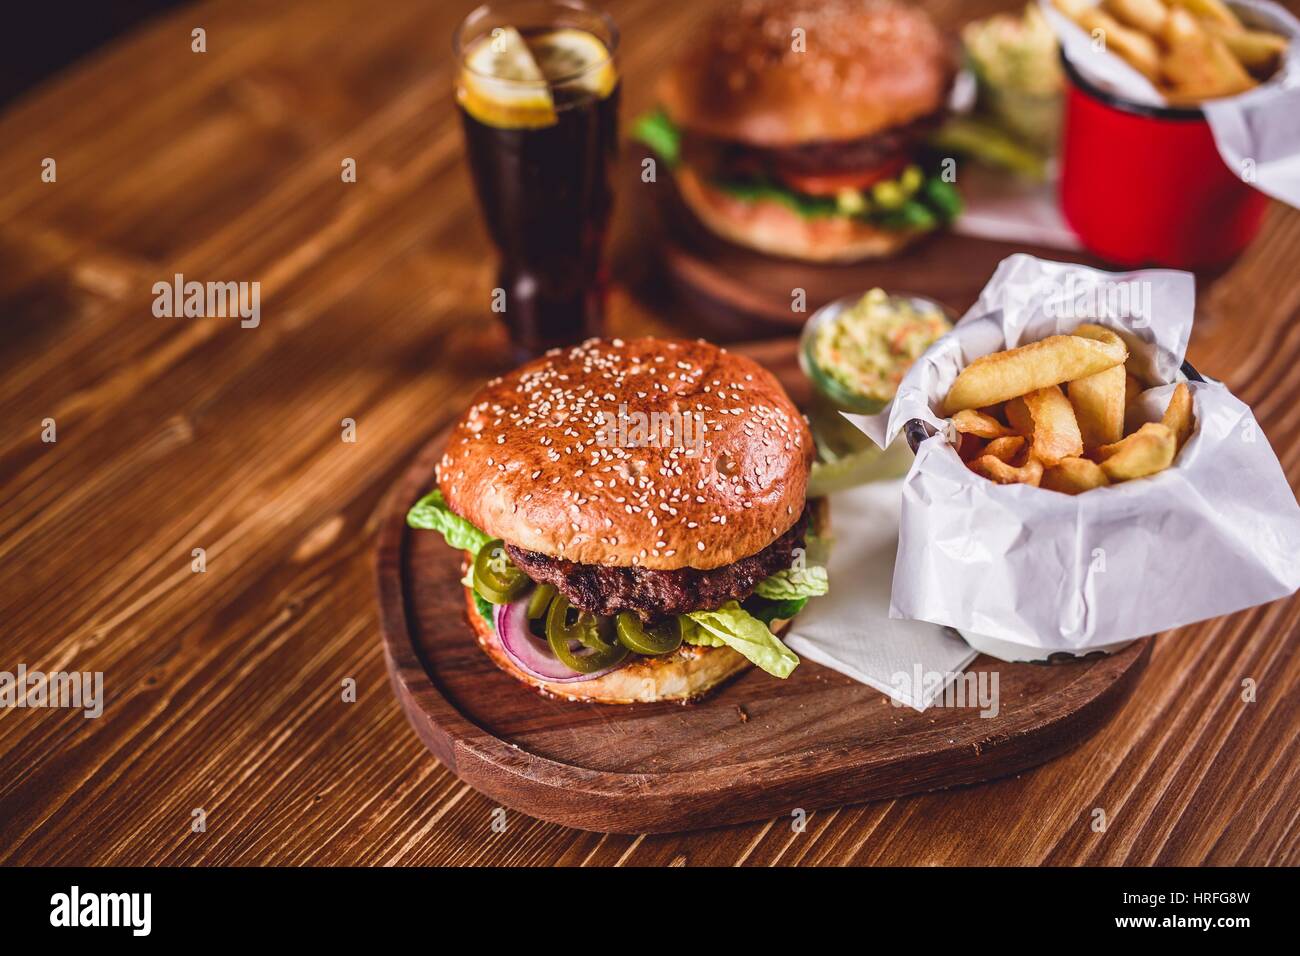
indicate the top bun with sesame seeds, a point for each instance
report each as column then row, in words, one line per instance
column 653, row 453
column 777, row 73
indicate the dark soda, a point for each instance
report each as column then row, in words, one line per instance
column 546, row 196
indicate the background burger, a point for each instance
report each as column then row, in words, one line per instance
column 634, row 519
column 796, row 127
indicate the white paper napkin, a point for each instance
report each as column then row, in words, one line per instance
column 849, row 630
column 1000, row 207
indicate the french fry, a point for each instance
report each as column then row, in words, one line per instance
column 1145, row 15
column 1147, row 451
column 1256, row 50
column 1138, row 49
column 970, row 447
column 1005, row 448
column 970, row 422
column 995, row 469
column 1046, row 417
column 1198, row 66
column 1073, row 9
column 1215, row 11
column 1098, row 402
column 1132, row 388
column 1178, row 416
column 1073, row 476
column 995, row 378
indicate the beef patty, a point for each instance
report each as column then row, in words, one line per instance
column 653, row 594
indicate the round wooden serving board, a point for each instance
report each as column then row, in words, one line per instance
column 756, row 748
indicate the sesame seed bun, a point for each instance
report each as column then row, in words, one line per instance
column 866, row 66
column 773, row 228
column 551, row 457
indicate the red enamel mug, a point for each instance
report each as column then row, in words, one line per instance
column 1144, row 185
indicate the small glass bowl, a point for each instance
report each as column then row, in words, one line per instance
column 848, row 457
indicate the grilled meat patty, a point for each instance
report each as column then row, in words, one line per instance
column 717, row 158
column 654, row 594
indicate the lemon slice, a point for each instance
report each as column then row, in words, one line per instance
column 502, row 85
column 575, row 58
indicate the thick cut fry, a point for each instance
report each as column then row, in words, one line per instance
column 1145, row 15
column 1256, row 50
column 1074, row 476
column 1071, row 8
column 1099, row 403
column 1148, row 450
column 970, row 446
column 1215, row 11
column 970, row 422
column 1138, row 49
column 1178, row 416
column 1197, row 65
column 1006, row 448
column 1047, row 419
column 995, row 469
column 1132, row 388
column 1004, row 375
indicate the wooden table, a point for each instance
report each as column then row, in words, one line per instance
column 225, row 687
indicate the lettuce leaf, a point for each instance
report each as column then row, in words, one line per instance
column 432, row 514
column 768, row 611
column 738, row 629
column 805, row 582
column 658, row 132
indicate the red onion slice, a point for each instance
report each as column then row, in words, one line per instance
column 530, row 654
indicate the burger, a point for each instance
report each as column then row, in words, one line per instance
column 798, row 127
column 633, row 518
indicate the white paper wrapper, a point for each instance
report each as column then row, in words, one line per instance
column 1258, row 126
column 1216, row 532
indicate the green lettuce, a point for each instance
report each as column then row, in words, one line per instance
column 805, row 582
column 768, row 611
column 432, row 514
column 658, row 132
column 738, row 629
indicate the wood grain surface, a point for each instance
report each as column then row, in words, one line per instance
column 225, row 688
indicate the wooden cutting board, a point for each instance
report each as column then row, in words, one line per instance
column 756, row 748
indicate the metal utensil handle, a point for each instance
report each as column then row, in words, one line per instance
column 917, row 431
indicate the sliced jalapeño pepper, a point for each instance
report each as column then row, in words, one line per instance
column 495, row 577
column 539, row 601
column 596, row 650
column 658, row 639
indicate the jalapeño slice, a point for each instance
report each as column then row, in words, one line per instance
column 660, row 638
column 585, row 631
column 495, row 577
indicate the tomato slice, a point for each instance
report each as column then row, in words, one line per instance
column 828, row 184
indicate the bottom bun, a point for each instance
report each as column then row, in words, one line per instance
column 773, row 228
column 685, row 674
